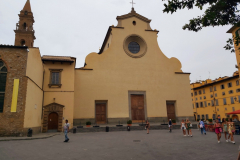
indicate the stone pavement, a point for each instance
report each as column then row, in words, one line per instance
column 133, row 145
column 35, row 136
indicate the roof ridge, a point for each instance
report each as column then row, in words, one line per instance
column 132, row 14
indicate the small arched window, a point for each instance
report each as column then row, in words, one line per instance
column 24, row 25
column 3, row 79
column 22, row 42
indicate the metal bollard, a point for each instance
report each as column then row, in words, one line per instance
column 107, row 129
column 29, row 134
column 128, row 128
column 74, row 130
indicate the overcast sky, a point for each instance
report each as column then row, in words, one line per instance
column 78, row 27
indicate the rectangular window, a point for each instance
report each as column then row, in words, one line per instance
column 198, row 116
column 196, row 105
column 205, row 104
column 193, row 105
column 213, row 116
column 195, row 93
column 212, row 102
column 224, row 101
column 229, row 84
column 211, row 96
column 196, row 99
column 222, row 86
column 209, row 104
column 233, row 109
column 239, row 99
column 204, row 97
column 200, row 92
column 223, row 93
column 201, row 104
column 210, row 89
column 216, row 102
column 215, row 94
column 215, row 88
column 55, row 81
column 191, row 94
column 206, row 116
column 203, row 91
column 230, row 92
column 232, row 100
column 55, row 78
column 238, row 90
column 237, row 82
column 200, row 97
column 203, row 116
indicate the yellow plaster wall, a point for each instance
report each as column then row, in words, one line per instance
column 221, row 109
column 63, row 95
column 33, row 110
column 34, row 72
column 115, row 73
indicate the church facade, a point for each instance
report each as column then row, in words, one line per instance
column 128, row 79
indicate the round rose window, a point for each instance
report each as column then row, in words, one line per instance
column 134, row 47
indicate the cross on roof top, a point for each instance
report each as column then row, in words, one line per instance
column 132, row 3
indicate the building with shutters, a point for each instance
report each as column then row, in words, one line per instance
column 128, row 79
column 213, row 98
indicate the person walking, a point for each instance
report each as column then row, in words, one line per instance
column 225, row 128
column 147, row 126
column 183, row 127
column 189, row 127
column 231, row 130
column 66, row 130
column 217, row 127
column 202, row 127
column 219, row 119
column 170, row 125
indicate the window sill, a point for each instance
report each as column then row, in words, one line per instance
column 54, row 85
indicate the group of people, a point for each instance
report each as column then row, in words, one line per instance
column 186, row 127
column 227, row 127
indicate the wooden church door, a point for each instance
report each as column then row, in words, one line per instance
column 137, row 108
column 171, row 110
column 101, row 113
column 53, row 121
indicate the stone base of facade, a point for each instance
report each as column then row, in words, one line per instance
column 82, row 122
column 35, row 130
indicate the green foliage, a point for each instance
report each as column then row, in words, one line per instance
column 226, row 119
column 88, row 123
column 209, row 120
column 173, row 121
column 218, row 13
column 129, row 122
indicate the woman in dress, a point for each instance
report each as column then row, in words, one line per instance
column 217, row 127
column 231, row 130
column 224, row 126
column 147, row 126
column 189, row 127
column 183, row 127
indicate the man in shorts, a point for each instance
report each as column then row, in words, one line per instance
column 66, row 130
column 170, row 125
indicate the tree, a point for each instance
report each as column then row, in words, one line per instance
column 219, row 13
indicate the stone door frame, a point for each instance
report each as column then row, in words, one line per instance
column 50, row 108
column 129, row 102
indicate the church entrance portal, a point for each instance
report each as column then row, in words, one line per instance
column 101, row 114
column 137, row 108
column 171, row 110
column 53, row 121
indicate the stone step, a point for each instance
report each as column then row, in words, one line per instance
column 124, row 128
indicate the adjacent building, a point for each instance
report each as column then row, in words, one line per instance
column 213, row 98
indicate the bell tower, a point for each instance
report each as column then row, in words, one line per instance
column 24, row 33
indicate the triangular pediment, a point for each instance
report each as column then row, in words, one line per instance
column 133, row 13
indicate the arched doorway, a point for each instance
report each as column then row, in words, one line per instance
column 53, row 121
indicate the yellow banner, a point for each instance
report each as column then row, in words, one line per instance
column 15, row 95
